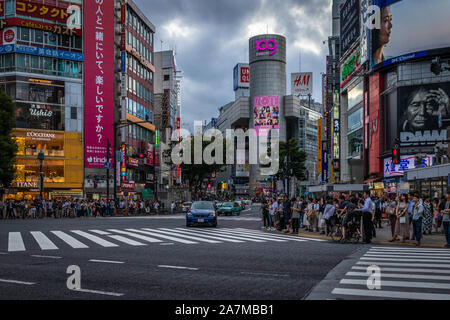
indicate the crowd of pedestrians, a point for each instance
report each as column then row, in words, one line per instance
column 409, row 216
column 68, row 208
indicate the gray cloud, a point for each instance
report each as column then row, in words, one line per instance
column 212, row 36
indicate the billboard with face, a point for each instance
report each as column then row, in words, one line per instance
column 408, row 28
column 420, row 109
column 265, row 112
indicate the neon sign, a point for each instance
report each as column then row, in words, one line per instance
column 265, row 47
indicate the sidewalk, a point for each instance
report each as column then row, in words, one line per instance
column 434, row 240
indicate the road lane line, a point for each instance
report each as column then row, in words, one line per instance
column 176, row 267
column 15, row 242
column 400, row 276
column 99, row 292
column 392, row 294
column 163, row 236
column 43, row 242
column 106, row 261
column 95, row 239
column 71, row 241
column 17, row 282
column 138, row 236
column 207, row 236
column 127, row 241
column 402, row 284
column 49, row 257
column 266, row 274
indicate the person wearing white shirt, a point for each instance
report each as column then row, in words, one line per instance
column 273, row 213
column 368, row 211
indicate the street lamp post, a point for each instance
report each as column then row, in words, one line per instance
column 41, row 174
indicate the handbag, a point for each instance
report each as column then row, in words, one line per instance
column 402, row 219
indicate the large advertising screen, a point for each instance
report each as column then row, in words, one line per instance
column 408, row 29
column 99, row 81
column 265, row 112
column 420, row 111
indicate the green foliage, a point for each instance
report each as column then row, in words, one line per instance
column 8, row 146
column 295, row 166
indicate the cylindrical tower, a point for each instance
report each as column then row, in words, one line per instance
column 267, row 58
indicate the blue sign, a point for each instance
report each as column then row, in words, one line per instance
column 213, row 122
column 405, row 57
column 45, row 52
column 336, row 125
column 107, row 165
column 123, row 64
column 235, row 77
column 324, row 165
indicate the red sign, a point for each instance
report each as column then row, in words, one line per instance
column 123, row 13
column 128, row 185
column 123, row 40
column 133, row 162
column 42, row 11
column 149, row 158
column 9, row 36
column 44, row 26
column 99, row 80
column 178, row 171
column 245, row 74
column 2, row 6
column 157, row 162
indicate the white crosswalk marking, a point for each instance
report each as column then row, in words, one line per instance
column 15, row 242
column 143, row 236
column 135, row 235
column 43, row 242
column 405, row 273
column 97, row 240
column 71, row 241
column 163, row 236
column 178, row 234
column 281, row 235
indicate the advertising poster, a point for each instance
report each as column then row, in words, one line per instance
column 406, row 163
column 409, row 28
column 419, row 111
column 99, row 81
column 266, row 110
column 302, row 83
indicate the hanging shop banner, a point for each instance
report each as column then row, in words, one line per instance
column 265, row 112
column 99, row 80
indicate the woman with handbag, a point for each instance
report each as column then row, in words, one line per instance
column 402, row 223
column 391, row 205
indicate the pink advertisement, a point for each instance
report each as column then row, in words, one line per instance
column 99, row 85
column 265, row 111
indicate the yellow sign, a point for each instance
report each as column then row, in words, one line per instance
column 319, row 149
column 224, row 185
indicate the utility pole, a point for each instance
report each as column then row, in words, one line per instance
column 107, row 169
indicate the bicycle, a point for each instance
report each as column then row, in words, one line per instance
column 336, row 230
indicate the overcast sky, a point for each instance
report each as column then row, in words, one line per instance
column 211, row 36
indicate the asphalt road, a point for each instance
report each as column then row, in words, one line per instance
column 158, row 258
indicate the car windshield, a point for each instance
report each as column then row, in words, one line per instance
column 202, row 205
column 187, row 203
column 227, row 204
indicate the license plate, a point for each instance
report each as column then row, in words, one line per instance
column 201, row 220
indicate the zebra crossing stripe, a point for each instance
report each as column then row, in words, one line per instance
column 71, row 241
column 398, row 264
column 410, row 255
column 97, row 240
column 396, row 254
column 15, row 242
column 100, row 232
column 274, row 235
column 135, row 235
column 178, row 234
column 401, row 276
column 410, row 249
column 208, row 236
column 392, row 294
column 227, row 235
column 405, row 260
column 43, row 242
column 403, row 284
column 127, row 241
column 256, row 236
column 163, row 236
column 406, row 270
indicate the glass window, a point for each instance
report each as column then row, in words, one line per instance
column 78, row 42
column 355, row 120
column 355, row 142
column 65, row 41
column 9, row 7
column 73, row 113
column 38, row 36
column 355, row 95
column 20, row 60
column 25, row 34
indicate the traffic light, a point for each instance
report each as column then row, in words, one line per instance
column 141, row 156
column 266, row 179
column 396, row 154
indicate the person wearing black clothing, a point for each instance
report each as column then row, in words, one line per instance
column 286, row 213
column 265, row 214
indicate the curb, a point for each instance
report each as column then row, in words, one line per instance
column 381, row 242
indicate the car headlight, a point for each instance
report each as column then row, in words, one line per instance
column 189, row 214
column 212, row 214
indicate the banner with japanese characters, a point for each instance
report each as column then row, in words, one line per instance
column 406, row 162
column 99, row 81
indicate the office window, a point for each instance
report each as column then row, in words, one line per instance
column 73, row 113
column 10, row 7
column 38, row 36
column 24, row 34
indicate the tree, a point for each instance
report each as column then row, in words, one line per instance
column 8, row 147
column 295, row 164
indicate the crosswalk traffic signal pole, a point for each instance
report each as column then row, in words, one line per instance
column 107, row 172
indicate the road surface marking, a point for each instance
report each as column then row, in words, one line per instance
column 380, row 263
column 106, row 261
column 71, row 241
column 293, row 237
column 409, row 256
column 266, row 274
column 207, row 236
column 163, row 236
column 43, row 242
column 392, row 294
column 178, row 233
column 372, row 252
column 4, row 253
column 233, row 236
column 127, row 241
column 99, row 292
column 255, row 236
column 100, row 232
column 95, row 239
column 411, row 249
column 403, row 284
column 410, row 260
column 166, row 244
column 400, row 275
column 18, row 282
column 176, row 267
column 405, row 270
column 49, row 257
column 138, row 236
column 15, row 242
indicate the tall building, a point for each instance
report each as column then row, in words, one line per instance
column 41, row 69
